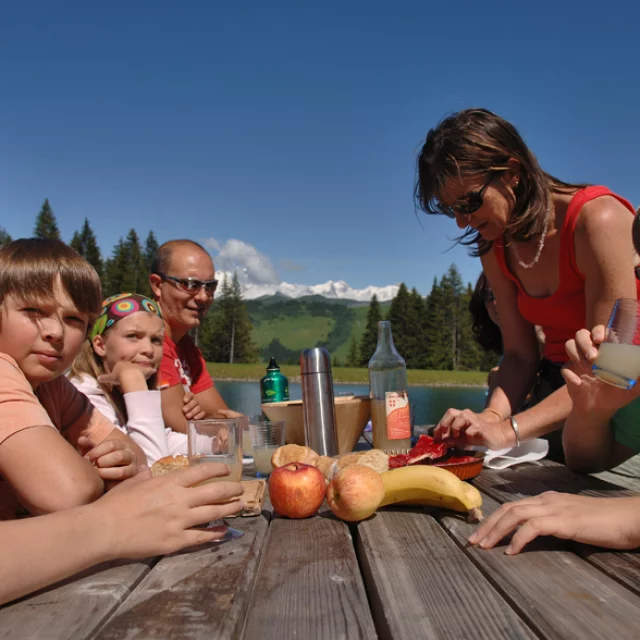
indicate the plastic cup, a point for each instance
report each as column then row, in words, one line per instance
column 266, row 437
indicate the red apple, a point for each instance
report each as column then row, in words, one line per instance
column 296, row 490
column 355, row 493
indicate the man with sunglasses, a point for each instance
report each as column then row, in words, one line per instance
column 183, row 282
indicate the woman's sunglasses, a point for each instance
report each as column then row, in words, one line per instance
column 468, row 203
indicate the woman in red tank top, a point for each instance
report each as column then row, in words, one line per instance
column 556, row 254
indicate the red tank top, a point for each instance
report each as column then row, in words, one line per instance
column 563, row 313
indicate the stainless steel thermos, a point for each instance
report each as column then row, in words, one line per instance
column 318, row 402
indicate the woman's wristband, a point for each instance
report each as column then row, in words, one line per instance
column 514, row 426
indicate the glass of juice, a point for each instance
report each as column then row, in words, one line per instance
column 217, row 440
column 618, row 361
column 266, row 437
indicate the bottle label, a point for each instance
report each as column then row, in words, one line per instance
column 398, row 415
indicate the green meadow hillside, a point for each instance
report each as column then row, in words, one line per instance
column 283, row 327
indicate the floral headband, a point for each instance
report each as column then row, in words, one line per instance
column 120, row 306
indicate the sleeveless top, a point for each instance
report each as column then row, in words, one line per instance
column 563, row 313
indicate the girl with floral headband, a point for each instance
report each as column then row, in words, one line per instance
column 117, row 370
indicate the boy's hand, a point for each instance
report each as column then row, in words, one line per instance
column 114, row 460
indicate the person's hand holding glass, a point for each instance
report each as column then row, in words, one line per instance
column 217, row 440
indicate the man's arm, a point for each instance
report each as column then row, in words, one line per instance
column 45, row 472
column 210, row 402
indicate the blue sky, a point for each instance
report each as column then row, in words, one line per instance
column 286, row 133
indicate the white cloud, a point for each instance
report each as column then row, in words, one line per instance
column 251, row 266
column 210, row 243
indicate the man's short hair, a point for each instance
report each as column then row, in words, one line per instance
column 162, row 258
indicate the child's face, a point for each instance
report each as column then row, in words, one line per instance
column 136, row 338
column 42, row 337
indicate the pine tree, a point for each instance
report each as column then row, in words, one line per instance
column 437, row 352
column 370, row 337
column 150, row 248
column 226, row 334
column 471, row 354
column 84, row 242
column 5, row 238
column 115, row 271
column 401, row 317
column 46, row 225
column 353, row 358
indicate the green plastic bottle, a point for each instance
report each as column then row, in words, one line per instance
column 274, row 387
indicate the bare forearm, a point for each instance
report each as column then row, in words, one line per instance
column 547, row 416
column 37, row 552
column 515, row 377
column 587, row 441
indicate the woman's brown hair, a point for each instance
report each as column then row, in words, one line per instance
column 477, row 142
column 30, row 268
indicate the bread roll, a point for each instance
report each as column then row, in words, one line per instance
column 168, row 464
column 324, row 464
column 292, row 453
column 374, row 458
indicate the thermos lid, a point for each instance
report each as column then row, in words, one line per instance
column 316, row 360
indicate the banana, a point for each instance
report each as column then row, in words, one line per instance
column 431, row 486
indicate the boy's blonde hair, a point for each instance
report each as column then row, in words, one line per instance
column 30, row 267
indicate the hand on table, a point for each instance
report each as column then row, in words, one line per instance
column 605, row 522
column 588, row 392
column 148, row 516
column 191, row 408
column 469, row 428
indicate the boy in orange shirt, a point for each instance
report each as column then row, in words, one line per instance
column 49, row 295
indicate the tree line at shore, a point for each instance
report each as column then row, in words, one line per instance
column 432, row 332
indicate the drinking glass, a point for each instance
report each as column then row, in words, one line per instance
column 247, row 449
column 217, row 440
column 618, row 361
column 266, row 437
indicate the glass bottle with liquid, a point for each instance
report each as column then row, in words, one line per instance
column 390, row 412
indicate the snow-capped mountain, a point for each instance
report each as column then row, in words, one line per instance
column 330, row 289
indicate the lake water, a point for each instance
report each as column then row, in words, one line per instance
column 427, row 403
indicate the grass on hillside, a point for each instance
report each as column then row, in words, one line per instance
column 222, row 371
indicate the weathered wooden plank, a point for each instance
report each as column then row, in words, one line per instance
column 198, row 594
column 553, row 589
column 520, row 482
column 422, row 585
column 309, row 584
column 625, row 475
column 75, row 608
column 621, row 566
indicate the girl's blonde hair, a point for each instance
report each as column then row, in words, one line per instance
column 88, row 362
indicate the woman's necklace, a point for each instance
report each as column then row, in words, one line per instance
column 534, row 262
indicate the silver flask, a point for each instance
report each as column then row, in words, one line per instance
column 318, row 402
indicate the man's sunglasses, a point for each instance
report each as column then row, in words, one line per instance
column 468, row 203
column 191, row 285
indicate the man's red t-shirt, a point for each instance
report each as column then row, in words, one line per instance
column 182, row 363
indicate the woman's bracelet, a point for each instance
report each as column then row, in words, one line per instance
column 514, row 425
column 496, row 412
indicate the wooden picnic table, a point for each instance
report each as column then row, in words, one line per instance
column 404, row 573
